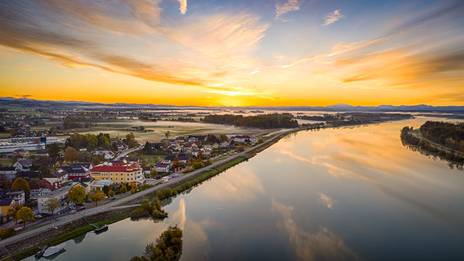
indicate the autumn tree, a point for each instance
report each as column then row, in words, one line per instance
column 21, row 184
column 71, row 154
column 77, row 194
column 25, row 215
column 168, row 246
column 130, row 140
column 96, row 196
column 52, row 204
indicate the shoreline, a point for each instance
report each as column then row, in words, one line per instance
column 78, row 227
column 25, row 247
column 416, row 142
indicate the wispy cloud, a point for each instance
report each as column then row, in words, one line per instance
column 289, row 6
column 333, row 17
column 183, row 6
column 92, row 37
column 336, row 50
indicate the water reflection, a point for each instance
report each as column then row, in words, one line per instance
column 351, row 193
column 318, row 245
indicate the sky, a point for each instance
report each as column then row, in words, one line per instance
column 234, row 53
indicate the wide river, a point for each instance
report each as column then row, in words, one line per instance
column 333, row 194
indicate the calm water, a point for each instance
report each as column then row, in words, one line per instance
column 352, row 193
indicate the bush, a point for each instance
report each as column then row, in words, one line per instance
column 6, row 232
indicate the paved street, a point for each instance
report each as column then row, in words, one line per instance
column 119, row 203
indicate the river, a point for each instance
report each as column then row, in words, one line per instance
column 347, row 193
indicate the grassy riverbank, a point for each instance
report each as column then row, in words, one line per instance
column 30, row 246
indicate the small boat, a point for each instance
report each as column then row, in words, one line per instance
column 100, row 229
column 41, row 252
column 54, row 250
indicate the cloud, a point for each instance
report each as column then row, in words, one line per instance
column 326, row 200
column 404, row 67
column 333, row 17
column 183, row 6
column 336, row 50
column 318, row 245
column 104, row 35
column 139, row 16
column 289, row 6
column 453, row 10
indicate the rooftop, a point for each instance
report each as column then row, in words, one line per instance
column 117, row 167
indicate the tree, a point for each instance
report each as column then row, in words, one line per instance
column 96, row 196
column 168, row 245
column 52, row 204
column 25, row 215
column 84, row 156
column 106, row 189
column 53, row 150
column 133, row 188
column 21, row 184
column 153, row 173
column 71, row 154
column 123, row 188
column 130, row 140
column 77, row 194
column 92, row 141
column 12, row 212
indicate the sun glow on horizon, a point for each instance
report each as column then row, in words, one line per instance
column 223, row 54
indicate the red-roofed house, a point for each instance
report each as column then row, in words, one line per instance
column 118, row 172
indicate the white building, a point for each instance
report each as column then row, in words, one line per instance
column 60, row 194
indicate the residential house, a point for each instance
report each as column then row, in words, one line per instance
column 163, row 167
column 23, row 165
column 76, row 171
column 57, row 179
column 30, row 174
column 9, row 200
column 119, row 172
column 61, row 195
column 39, row 192
column 107, row 154
column 97, row 185
column 18, row 197
column 8, row 173
column 5, row 206
column 182, row 159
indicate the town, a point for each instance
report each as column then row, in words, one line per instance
column 80, row 167
column 60, row 178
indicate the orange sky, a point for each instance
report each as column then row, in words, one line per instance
column 233, row 54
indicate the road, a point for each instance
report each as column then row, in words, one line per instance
column 116, row 204
column 127, row 152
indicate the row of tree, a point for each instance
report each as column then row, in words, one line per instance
column 263, row 121
column 89, row 141
column 423, row 146
column 448, row 134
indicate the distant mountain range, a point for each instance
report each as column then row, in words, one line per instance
column 25, row 102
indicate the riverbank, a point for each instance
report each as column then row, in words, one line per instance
column 417, row 142
column 32, row 245
column 29, row 245
column 23, row 247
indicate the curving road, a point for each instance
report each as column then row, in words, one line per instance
column 127, row 152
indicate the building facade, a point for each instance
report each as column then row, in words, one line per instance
column 118, row 172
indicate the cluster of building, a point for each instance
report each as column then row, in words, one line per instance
column 179, row 153
column 181, row 150
column 57, row 186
